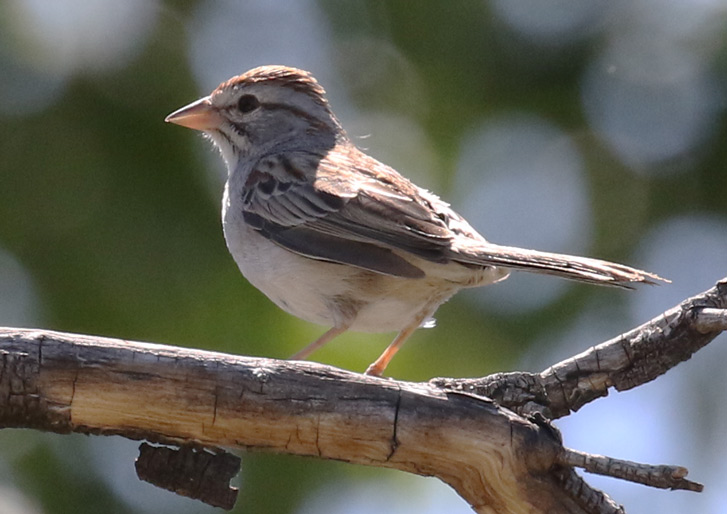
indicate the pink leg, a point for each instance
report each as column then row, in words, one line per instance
column 379, row 365
column 321, row 341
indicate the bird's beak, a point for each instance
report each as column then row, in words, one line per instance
column 199, row 115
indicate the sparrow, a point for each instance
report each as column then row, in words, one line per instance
column 337, row 238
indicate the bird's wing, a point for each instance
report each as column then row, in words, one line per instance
column 345, row 207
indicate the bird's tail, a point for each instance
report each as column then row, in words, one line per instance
column 581, row 269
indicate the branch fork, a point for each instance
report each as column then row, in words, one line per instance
column 491, row 438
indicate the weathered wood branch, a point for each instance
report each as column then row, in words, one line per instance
column 71, row 383
column 496, row 459
column 624, row 362
column 664, row 477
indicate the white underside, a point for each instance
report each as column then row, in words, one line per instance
column 309, row 288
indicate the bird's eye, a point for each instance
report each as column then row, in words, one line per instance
column 248, row 103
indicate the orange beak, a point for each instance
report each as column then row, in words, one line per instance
column 199, row 115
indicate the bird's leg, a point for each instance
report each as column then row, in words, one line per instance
column 327, row 337
column 379, row 365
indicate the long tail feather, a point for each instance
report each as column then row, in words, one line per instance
column 581, row 269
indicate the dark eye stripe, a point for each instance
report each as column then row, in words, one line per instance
column 317, row 122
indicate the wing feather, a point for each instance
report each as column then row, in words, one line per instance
column 316, row 213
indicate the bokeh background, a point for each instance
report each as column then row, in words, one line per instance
column 579, row 126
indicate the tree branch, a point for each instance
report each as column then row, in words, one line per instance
column 663, row 477
column 498, row 459
column 624, row 362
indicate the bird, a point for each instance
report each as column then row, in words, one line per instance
column 337, row 238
